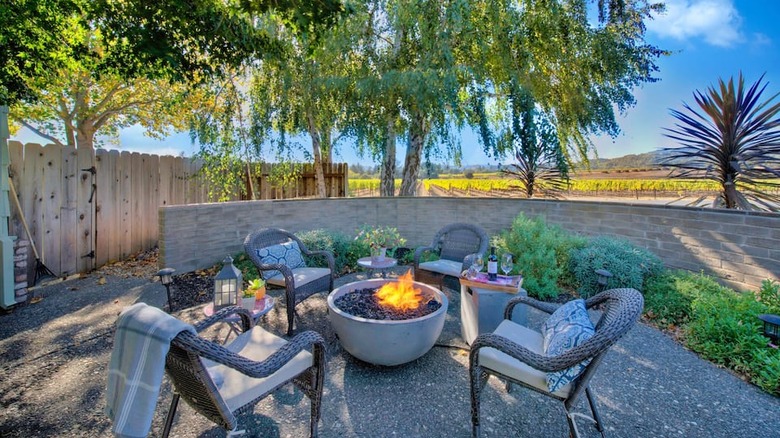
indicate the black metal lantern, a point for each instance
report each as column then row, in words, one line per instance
column 603, row 279
column 771, row 326
column 227, row 285
column 166, row 278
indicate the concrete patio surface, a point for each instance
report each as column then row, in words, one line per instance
column 54, row 356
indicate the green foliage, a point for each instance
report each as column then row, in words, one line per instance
column 734, row 141
column 245, row 265
column 725, row 329
column 670, row 294
column 346, row 251
column 769, row 295
column 541, row 253
column 380, row 237
column 629, row 264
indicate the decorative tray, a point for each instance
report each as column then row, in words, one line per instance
column 504, row 283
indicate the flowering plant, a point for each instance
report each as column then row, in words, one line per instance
column 380, row 237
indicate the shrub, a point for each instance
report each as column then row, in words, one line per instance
column 541, row 253
column 629, row 264
column 670, row 294
column 345, row 250
column 769, row 295
column 725, row 329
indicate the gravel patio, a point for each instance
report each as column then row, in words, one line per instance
column 54, row 356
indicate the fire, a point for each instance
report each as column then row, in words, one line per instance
column 400, row 295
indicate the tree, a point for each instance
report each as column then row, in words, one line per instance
column 73, row 105
column 734, row 140
column 541, row 165
column 579, row 70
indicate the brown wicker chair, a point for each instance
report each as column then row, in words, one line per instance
column 220, row 382
column 299, row 283
column 519, row 357
column 457, row 245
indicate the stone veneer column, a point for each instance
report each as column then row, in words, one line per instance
column 20, row 270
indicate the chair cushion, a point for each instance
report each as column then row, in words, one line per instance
column 238, row 389
column 442, row 266
column 288, row 253
column 493, row 359
column 568, row 327
column 301, row 276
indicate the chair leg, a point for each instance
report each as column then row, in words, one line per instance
column 171, row 414
column 290, row 313
column 596, row 416
column 478, row 380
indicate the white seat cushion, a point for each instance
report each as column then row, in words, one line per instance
column 443, row 266
column 493, row 359
column 238, row 389
column 301, row 276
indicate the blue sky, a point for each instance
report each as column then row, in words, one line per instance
column 709, row 39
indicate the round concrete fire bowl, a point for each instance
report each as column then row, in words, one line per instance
column 387, row 342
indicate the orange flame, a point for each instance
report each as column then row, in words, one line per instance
column 400, row 295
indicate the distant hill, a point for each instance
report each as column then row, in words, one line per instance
column 647, row 160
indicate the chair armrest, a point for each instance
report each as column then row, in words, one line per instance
column 419, row 252
column 265, row 368
column 541, row 305
column 537, row 361
column 246, row 318
column 328, row 257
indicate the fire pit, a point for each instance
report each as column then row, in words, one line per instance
column 387, row 341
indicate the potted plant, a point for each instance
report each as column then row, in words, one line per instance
column 255, row 291
column 379, row 239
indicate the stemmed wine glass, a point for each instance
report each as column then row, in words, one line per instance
column 506, row 263
column 479, row 262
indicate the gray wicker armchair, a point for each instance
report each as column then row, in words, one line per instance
column 514, row 353
column 456, row 245
column 299, row 282
column 220, row 382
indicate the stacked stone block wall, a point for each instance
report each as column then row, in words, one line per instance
column 20, row 270
column 740, row 248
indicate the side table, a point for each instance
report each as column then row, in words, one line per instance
column 261, row 308
column 482, row 305
column 382, row 265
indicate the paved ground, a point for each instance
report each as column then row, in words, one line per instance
column 54, row 355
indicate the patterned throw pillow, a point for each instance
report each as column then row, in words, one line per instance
column 285, row 254
column 568, row 327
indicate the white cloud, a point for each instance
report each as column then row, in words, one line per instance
column 716, row 21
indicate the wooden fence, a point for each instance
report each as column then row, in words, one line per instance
column 87, row 208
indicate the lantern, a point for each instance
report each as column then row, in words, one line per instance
column 603, row 279
column 166, row 278
column 771, row 327
column 227, row 285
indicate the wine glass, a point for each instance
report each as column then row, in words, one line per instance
column 479, row 262
column 506, row 263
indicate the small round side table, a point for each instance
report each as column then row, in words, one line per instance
column 261, row 308
column 378, row 265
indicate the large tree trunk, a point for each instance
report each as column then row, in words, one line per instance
column 85, row 137
column 387, row 176
column 316, row 147
column 417, row 133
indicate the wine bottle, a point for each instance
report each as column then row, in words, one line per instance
column 492, row 265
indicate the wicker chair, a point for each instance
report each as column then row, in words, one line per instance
column 457, row 245
column 220, row 382
column 300, row 282
column 514, row 353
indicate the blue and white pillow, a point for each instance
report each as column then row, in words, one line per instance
column 288, row 253
column 568, row 327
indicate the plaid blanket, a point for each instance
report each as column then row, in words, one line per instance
column 143, row 338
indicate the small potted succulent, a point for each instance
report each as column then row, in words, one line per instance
column 379, row 239
column 255, row 291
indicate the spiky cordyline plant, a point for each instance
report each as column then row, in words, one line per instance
column 735, row 141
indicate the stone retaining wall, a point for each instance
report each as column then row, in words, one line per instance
column 740, row 248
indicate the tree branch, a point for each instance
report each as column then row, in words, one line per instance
column 42, row 134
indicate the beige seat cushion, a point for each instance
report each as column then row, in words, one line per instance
column 443, row 266
column 301, row 276
column 238, row 389
column 493, row 359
